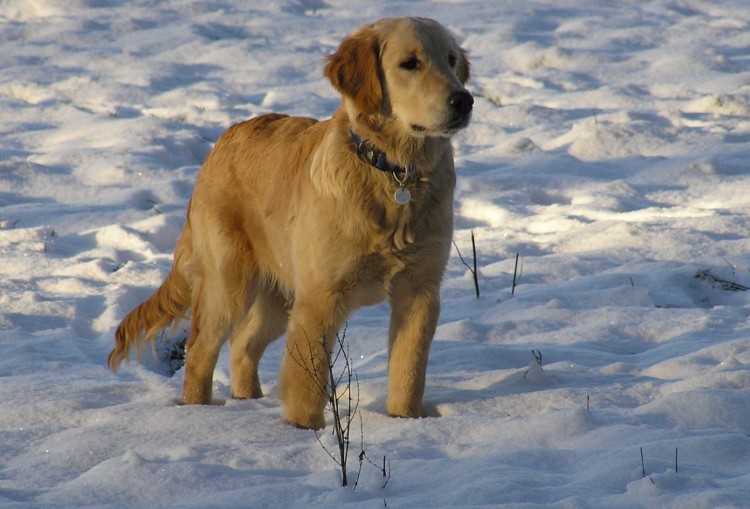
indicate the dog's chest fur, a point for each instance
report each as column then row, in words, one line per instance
column 316, row 214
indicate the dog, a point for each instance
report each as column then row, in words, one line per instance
column 294, row 223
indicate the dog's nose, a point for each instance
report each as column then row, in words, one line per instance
column 461, row 102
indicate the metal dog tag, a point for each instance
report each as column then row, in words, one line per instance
column 402, row 196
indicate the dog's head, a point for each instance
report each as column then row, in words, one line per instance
column 409, row 71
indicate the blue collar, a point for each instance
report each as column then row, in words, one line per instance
column 374, row 156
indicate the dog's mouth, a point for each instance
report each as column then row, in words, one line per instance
column 448, row 129
column 459, row 123
column 454, row 125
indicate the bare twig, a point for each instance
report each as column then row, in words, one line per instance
column 474, row 255
column 516, row 277
column 48, row 239
column 537, row 357
column 329, row 383
column 473, row 269
column 341, row 427
column 731, row 267
column 343, row 403
column 154, row 207
column 724, row 284
column 643, row 468
column 385, row 469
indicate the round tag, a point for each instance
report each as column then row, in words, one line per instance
column 402, row 196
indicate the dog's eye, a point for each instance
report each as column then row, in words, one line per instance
column 410, row 64
column 452, row 60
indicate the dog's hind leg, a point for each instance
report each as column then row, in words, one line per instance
column 210, row 324
column 265, row 322
column 220, row 300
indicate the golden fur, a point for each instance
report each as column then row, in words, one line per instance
column 290, row 230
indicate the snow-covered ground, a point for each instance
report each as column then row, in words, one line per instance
column 610, row 149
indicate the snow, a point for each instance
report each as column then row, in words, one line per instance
column 609, row 148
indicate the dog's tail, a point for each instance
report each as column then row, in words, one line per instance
column 167, row 305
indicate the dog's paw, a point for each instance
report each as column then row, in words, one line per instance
column 305, row 421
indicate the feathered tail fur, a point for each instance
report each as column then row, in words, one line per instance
column 162, row 309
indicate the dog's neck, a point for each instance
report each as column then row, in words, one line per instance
column 381, row 132
column 374, row 155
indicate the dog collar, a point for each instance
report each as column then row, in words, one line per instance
column 375, row 156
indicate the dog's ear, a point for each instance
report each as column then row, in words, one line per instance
column 463, row 67
column 354, row 70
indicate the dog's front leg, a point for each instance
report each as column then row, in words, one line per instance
column 414, row 316
column 306, row 366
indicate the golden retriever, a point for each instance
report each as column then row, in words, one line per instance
column 294, row 223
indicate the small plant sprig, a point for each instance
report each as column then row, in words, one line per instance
column 342, row 394
column 385, row 469
column 341, row 424
column 724, row 284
